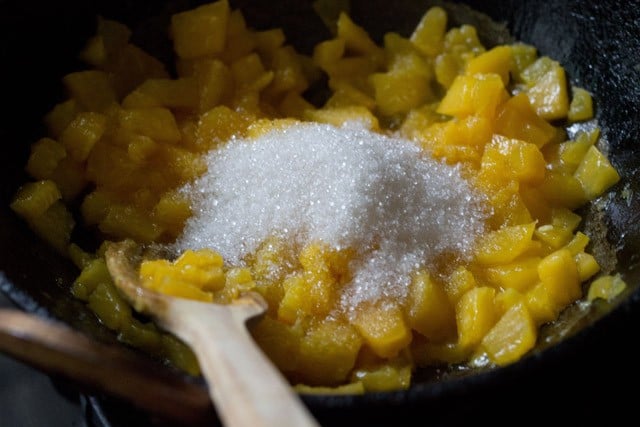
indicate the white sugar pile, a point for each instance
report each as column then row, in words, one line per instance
column 347, row 187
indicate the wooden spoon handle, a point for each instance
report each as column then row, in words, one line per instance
column 247, row 389
column 57, row 350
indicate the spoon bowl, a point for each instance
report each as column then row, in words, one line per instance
column 245, row 387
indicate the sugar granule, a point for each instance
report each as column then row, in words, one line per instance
column 348, row 187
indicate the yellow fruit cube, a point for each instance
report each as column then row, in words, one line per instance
column 474, row 94
column 82, row 134
column 540, row 304
column 384, row 377
column 92, row 90
column 595, row 173
column 578, row 243
column 215, row 83
column 219, row 124
column 519, row 160
column 110, row 307
column 559, row 275
column 268, row 41
column 279, row 341
column 573, row 151
column 606, row 287
column 504, row 245
column 145, row 336
column 548, row 90
column 400, row 91
column 517, row 119
column 428, row 309
column 34, row 198
column 131, row 67
column 289, row 75
column 356, row 38
column 383, row 329
column 327, row 53
column 306, row 294
column 179, row 354
column 460, row 281
column 511, row 337
column 346, row 95
column 169, row 93
column 587, row 265
column 172, row 211
column 128, row 222
column 157, row 123
column 328, row 352
column 247, row 70
column 94, row 273
column 201, row 31
column 520, row 275
column 239, row 40
column 45, row 156
column 475, row 315
column 60, row 116
column 581, row 107
column 523, row 56
column 497, row 61
column 428, row 35
column 339, row 116
column 562, row 189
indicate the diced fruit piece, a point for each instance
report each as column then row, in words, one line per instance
column 94, row 273
column 606, row 287
column 523, row 56
column 504, row 245
column 497, row 61
column 92, row 89
column 157, row 123
column 475, row 315
column 33, row 199
column 306, row 294
column 559, row 275
column 520, row 275
column 201, row 31
column 595, row 173
column 141, row 335
column 60, row 116
column 460, row 281
column 548, row 89
column 356, row 38
column 110, row 307
column 398, row 92
column 473, row 94
column 128, row 222
column 384, row 377
column 428, row 35
column 511, row 337
column 581, row 107
column 45, row 157
column 169, row 93
column 587, row 265
column 384, row 329
column 179, row 354
column 328, row 352
column 429, row 310
column 517, row 119
column 82, row 134
column 340, row 115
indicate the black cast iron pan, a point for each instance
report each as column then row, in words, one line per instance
column 589, row 375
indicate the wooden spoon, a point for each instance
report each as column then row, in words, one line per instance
column 245, row 387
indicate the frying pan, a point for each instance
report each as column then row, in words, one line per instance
column 583, row 367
